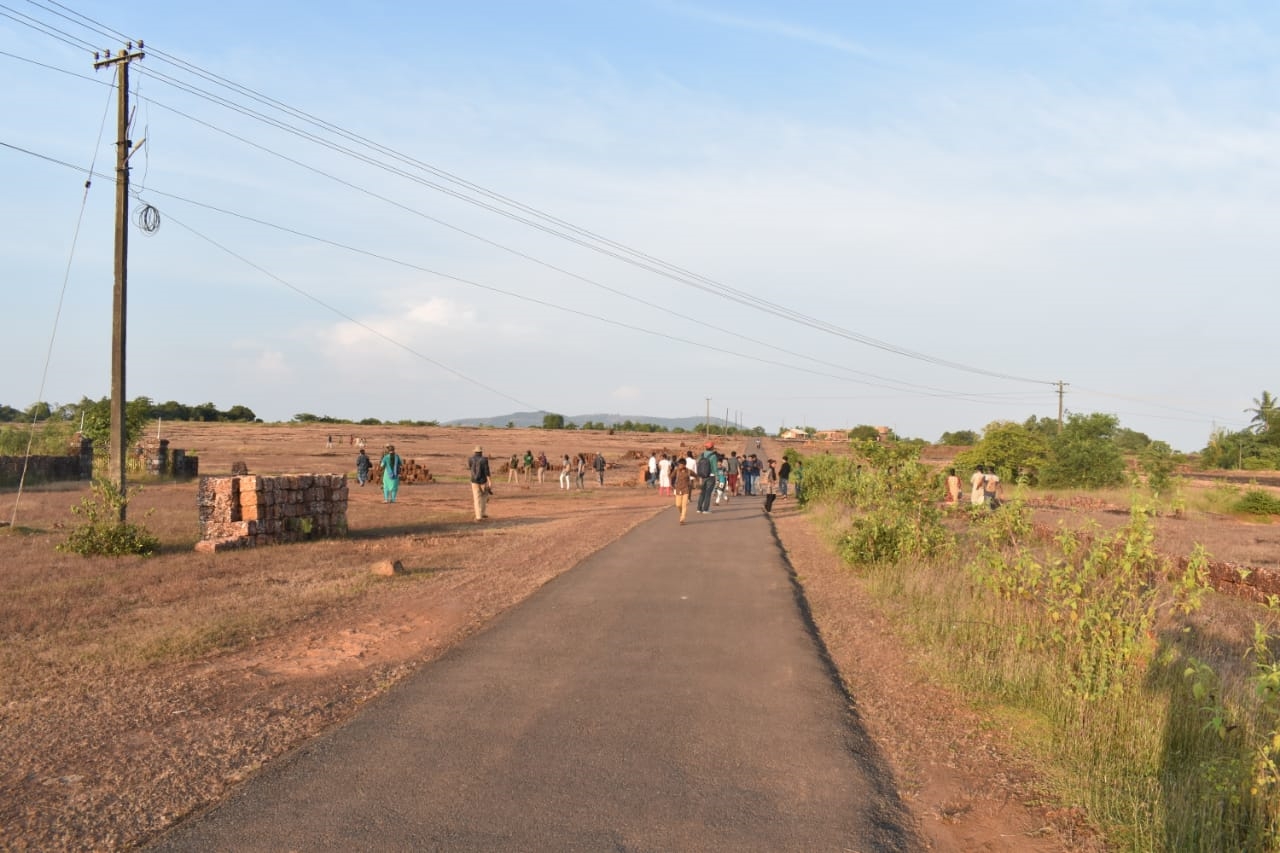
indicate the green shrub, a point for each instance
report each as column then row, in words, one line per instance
column 103, row 533
column 1258, row 502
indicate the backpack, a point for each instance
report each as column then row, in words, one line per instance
column 704, row 466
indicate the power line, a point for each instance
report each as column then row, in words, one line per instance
column 577, row 235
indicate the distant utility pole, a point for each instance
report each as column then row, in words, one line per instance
column 1061, row 390
column 119, row 300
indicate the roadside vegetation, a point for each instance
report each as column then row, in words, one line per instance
column 1153, row 701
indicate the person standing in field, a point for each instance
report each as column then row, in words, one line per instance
column 652, row 479
column 991, row 488
column 481, row 482
column 543, row 465
column 363, row 464
column 977, row 483
column 682, row 485
column 953, row 487
column 598, row 464
column 566, row 473
column 527, row 466
column 581, row 470
column 391, row 463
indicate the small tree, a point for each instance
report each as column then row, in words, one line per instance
column 1012, row 449
column 552, row 421
column 959, row 438
column 1084, row 454
column 103, row 533
column 1157, row 462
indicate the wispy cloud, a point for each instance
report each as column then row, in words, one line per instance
column 777, row 28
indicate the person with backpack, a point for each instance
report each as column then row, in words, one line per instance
column 391, row 464
column 681, row 486
column 708, row 465
column 481, row 484
column 598, row 464
column 363, row 464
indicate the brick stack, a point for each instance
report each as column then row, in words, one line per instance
column 410, row 472
column 238, row 512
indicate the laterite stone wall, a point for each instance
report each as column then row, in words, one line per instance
column 248, row 511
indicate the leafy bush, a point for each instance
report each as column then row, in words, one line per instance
column 1258, row 502
column 1084, row 455
column 53, row 438
column 1157, row 461
column 103, row 533
column 1014, row 450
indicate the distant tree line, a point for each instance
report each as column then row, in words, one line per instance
column 556, row 421
column 144, row 407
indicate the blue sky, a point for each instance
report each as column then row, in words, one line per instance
column 999, row 195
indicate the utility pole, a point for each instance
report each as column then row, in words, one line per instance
column 1061, row 386
column 116, row 445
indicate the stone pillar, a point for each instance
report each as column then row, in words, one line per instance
column 86, row 458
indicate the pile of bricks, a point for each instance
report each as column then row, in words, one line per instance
column 240, row 512
column 410, row 472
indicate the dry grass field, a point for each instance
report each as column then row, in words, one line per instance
column 135, row 691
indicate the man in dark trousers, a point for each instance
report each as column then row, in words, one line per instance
column 708, row 465
column 784, row 476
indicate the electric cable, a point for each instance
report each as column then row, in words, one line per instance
column 57, row 315
column 608, row 247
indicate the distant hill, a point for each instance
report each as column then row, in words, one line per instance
column 534, row 419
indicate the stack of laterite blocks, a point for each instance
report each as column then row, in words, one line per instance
column 239, row 512
column 410, row 472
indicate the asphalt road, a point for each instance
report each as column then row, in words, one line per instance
column 665, row 695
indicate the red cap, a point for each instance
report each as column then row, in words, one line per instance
column 710, row 444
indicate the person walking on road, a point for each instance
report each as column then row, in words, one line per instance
column 682, row 485
column 664, row 475
column 784, row 476
column 734, row 465
column 708, row 465
column 391, row 463
column 363, row 464
column 769, row 485
column 481, row 484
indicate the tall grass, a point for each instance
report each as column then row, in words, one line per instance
column 1153, row 703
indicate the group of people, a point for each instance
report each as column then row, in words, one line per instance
column 527, row 467
column 573, row 470
column 984, row 487
column 717, row 477
column 392, row 465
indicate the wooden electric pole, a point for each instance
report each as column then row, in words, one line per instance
column 1061, row 390
column 119, row 434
